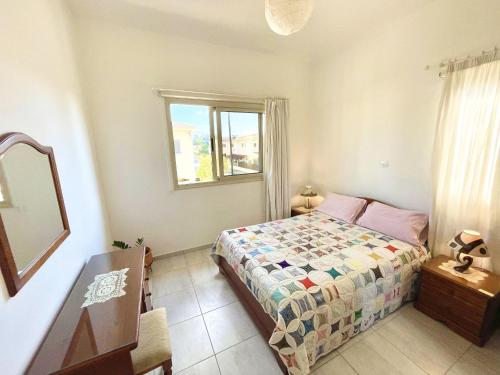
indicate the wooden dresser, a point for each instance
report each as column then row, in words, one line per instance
column 469, row 309
column 96, row 339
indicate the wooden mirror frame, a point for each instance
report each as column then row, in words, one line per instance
column 13, row 279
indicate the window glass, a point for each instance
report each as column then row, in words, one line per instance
column 240, row 143
column 191, row 133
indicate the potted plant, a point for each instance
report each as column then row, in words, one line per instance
column 148, row 255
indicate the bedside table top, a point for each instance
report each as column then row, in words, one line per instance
column 302, row 209
column 490, row 284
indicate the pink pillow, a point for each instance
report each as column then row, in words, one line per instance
column 342, row 207
column 408, row 226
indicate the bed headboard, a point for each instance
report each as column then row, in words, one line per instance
column 371, row 200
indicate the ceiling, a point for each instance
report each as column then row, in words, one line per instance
column 241, row 23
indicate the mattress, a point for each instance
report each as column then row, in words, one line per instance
column 322, row 280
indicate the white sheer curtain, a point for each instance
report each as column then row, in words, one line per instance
column 466, row 156
column 275, row 147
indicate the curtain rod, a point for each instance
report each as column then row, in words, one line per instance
column 445, row 64
column 184, row 94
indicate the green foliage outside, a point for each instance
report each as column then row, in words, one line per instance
column 201, row 145
column 202, row 153
column 204, row 171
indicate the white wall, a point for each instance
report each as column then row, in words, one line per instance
column 375, row 101
column 39, row 95
column 120, row 68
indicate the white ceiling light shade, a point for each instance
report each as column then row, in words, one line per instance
column 286, row 17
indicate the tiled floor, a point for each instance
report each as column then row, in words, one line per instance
column 212, row 334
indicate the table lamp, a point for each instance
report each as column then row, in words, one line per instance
column 308, row 194
column 467, row 246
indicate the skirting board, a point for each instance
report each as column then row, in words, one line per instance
column 179, row 252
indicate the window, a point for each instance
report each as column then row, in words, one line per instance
column 214, row 142
column 239, row 129
column 177, row 146
column 4, row 190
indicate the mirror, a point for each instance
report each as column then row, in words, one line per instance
column 33, row 220
column 32, row 203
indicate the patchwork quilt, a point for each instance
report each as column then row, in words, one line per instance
column 322, row 280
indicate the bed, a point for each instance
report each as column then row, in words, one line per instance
column 311, row 282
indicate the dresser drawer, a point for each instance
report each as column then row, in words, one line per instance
column 447, row 310
column 464, row 297
column 436, row 301
column 456, row 304
column 468, row 321
column 440, row 290
column 430, row 280
column 471, row 299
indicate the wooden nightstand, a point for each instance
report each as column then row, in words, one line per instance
column 469, row 309
column 301, row 210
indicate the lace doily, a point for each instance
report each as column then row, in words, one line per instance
column 106, row 286
column 473, row 275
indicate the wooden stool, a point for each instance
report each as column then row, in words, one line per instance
column 154, row 348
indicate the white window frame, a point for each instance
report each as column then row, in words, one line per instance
column 215, row 109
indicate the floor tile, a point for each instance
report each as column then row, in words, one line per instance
column 379, row 324
column 353, row 340
column 373, row 355
column 250, row 357
column 430, row 344
column 229, row 325
column 320, row 362
column 469, row 364
column 199, row 256
column 167, row 264
column 485, row 360
column 204, row 272
column 336, row 366
column 182, row 305
column 190, row 343
column 382, row 322
column 171, row 282
column 214, row 294
column 207, row 367
column 156, row 371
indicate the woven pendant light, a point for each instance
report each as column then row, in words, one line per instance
column 286, row 17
